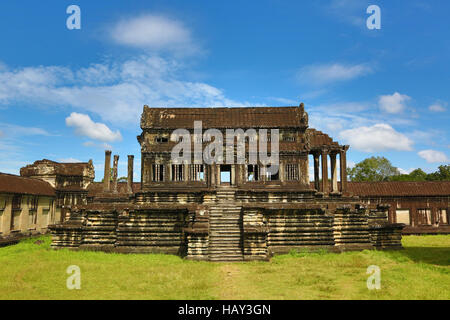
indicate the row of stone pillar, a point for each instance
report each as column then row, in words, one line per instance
column 321, row 159
column 106, row 177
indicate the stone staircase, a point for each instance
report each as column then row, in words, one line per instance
column 225, row 228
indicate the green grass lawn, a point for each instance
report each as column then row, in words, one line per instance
column 34, row 271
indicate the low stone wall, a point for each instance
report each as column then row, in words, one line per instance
column 387, row 237
column 255, row 232
column 383, row 235
column 138, row 231
column 151, row 231
column 197, row 245
column 293, row 229
column 265, row 231
column 197, row 235
column 351, row 229
column 66, row 235
column 99, row 230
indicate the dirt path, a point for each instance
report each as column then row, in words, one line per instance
column 230, row 283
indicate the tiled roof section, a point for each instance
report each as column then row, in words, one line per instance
column 64, row 169
column 317, row 139
column 255, row 117
column 400, row 188
column 96, row 188
column 10, row 183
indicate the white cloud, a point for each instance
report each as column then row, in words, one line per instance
column 114, row 91
column 437, row 107
column 407, row 171
column 17, row 131
column 103, row 146
column 154, row 32
column 394, row 103
column 433, row 156
column 84, row 126
column 351, row 163
column 332, row 118
column 328, row 73
column 3, row 66
column 378, row 137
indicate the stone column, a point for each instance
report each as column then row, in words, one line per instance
column 324, row 187
column 334, row 184
column 303, row 171
column 238, row 173
column 107, row 174
column 24, row 213
column 316, row 171
column 7, row 215
column 167, row 172
column 212, row 169
column 142, row 171
column 281, row 171
column 186, row 168
column 343, row 160
column 115, row 164
column 218, row 174
column 130, row 174
column 434, row 216
column 233, row 175
column 392, row 214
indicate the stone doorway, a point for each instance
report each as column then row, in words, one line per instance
column 225, row 175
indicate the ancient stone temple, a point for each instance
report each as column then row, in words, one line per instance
column 228, row 210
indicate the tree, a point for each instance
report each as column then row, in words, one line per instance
column 373, row 169
column 415, row 175
column 381, row 169
column 122, row 179
column 442, row 174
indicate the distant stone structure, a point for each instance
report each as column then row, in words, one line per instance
column 27, row 207
column 219, row 211
column 422, row 206
column 227, row 212
column 42, row 195
column 69, row 180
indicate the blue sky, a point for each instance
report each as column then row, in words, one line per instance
column 66, row 95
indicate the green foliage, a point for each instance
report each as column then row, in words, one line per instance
column 416, row 175
column 122, row 179
column 380, row 169
column 442, row 174
column 373, row 169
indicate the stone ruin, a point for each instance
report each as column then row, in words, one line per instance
column 227, row 212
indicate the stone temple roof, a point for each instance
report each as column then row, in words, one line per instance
column 318, row 139
column 400, row 188
column 10, row 183
column 46, row 166
column 255, row 117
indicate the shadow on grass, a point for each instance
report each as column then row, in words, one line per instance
column 429, row 255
